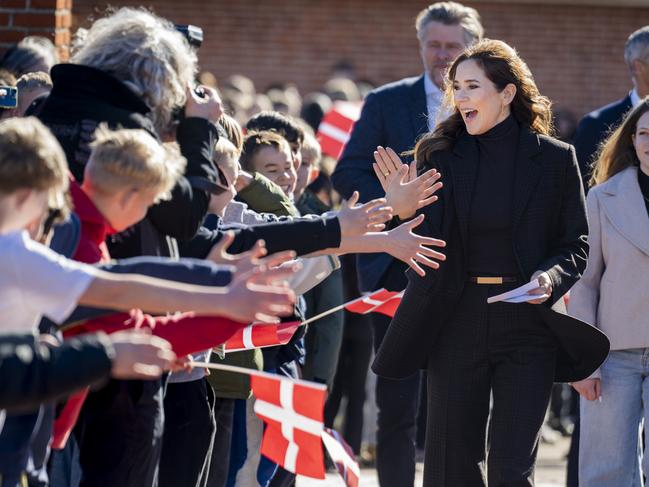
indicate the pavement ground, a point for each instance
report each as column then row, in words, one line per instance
column 550, row 470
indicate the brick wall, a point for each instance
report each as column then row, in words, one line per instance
column 49, row 18
column 575, row 52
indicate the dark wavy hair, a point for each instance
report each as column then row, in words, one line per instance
column 502, row 66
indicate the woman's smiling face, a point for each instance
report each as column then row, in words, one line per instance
column 475, row 96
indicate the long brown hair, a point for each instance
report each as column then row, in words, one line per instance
column 617, row 152
column 502, row 66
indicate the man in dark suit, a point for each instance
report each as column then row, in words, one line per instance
column 596, row 125
column 395, row 115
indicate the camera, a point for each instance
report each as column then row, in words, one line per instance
column 8, row 97
column 192, row 33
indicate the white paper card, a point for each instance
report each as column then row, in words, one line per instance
column 518, row 295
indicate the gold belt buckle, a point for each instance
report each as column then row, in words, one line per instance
column 489, row 280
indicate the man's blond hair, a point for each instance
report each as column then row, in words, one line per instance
column 31, row 158
column 133, row 158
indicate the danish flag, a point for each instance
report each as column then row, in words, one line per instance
column 293, row 413
column 259, row 335
column 343, row 456
column 381, row 301
column 336, row 126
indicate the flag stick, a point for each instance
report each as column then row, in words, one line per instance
column 337, row 308
column 242, row 370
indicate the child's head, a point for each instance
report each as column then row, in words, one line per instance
column 226, row 159
column 311, row 155
column 269, row 153
column 33, row 175
column 285, row 126
column 127, row 172
column 31, row 86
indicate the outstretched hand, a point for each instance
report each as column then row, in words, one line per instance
column 262, row 294
column 140, row 355
column 355, row 219
column 244, row 261
column 414, row 249
column 405, row 192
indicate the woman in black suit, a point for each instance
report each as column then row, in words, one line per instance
column 511, row 210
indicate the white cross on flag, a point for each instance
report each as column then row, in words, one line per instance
column 259, row 335
column 293, row 413
column 343, row 456
column 381, row 301
column 336, row 125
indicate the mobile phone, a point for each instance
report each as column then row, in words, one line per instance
column 8, row 97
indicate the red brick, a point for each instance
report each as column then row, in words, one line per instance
column 4, row 19
column 49, row 34
column 13, row 3
column 34, row 20
column 575, row 52
column 11, row 36
column 48, row 4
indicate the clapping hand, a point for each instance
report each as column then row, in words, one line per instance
column 412, row 248
column 356, row 220
column 405, row 192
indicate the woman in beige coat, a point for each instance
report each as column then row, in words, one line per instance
column 614, row 294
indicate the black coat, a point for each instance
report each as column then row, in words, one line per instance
column 593, row 129
column 84, row 97
column 550, row 229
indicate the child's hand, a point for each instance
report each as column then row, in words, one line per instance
column 355, row 220
column 219, row 253
column 140, row 355
column 412, row 248
column 261, row 294
column 247, row 261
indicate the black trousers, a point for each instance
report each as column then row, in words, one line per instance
column 119, row 433
column 397, row 402
column 188, row 434
column 350, row 378
column 501, row 350
column 220, row 464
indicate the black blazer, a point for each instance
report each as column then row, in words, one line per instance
column 550, row 230
column 593, row 129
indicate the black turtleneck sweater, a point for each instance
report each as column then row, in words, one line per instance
column 490, row 248
column 643, row 180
